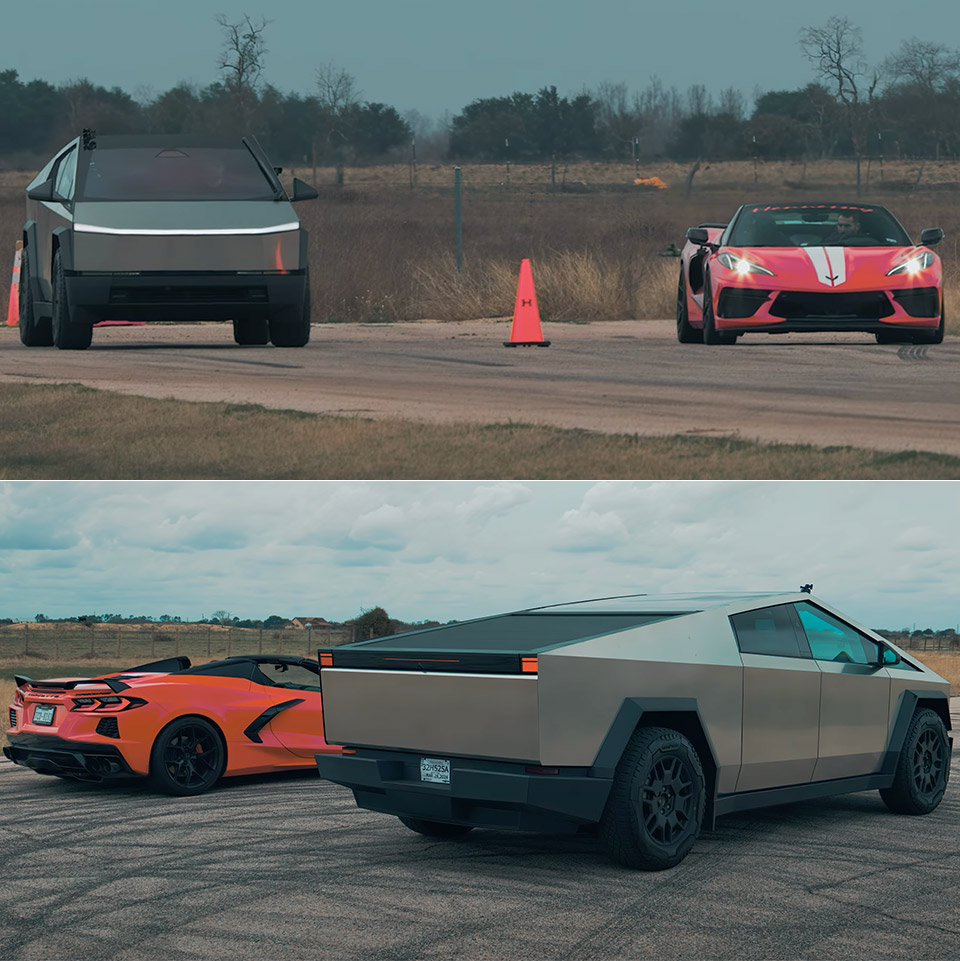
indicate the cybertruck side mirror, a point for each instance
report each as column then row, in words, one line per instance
column 303, row 191
column 42, row 191
column 888, row 657
column 930, row 236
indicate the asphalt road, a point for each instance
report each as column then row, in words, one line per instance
column 625, row 377
column 288, row 868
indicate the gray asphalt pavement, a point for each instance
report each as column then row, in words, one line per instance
column 288, row 868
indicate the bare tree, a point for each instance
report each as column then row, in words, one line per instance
column 928, row 65
column 241, row 63
column 337, row 94
column 836, row 51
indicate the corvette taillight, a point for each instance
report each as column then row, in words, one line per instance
column 106, row 704
column 18, row 698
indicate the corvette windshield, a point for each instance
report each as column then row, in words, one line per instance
column 172, row 173
column 817, row 225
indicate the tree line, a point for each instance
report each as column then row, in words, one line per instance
column 907, row 105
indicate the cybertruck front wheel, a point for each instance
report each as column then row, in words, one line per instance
column 655, row 809
column 436, row 829
column 292, row 329
column 66, row 334
column 188, row 757
column 922, row 768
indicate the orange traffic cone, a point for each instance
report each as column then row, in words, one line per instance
column 526, row 316
column 13, row 308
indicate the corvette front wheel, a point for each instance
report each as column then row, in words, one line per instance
column 686, row 333
column 710, row 333
column 188, row 757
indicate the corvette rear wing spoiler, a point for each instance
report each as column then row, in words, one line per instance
column 115, row 685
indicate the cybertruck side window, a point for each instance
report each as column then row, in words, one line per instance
column 66, row 175
column 832, row 640
column 769, row 630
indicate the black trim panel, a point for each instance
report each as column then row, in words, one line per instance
column 748, row 800
column 253, row 729
column 49, row 754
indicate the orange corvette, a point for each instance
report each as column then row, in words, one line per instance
column 182, row 727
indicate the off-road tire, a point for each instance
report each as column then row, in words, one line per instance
column 710, row 333
column 435, row 829
column 292, row 329
column 66, row 335
column 923, row 767
column 655, row 809
column 254, row 332
column 686, row 334
column 33, row 332
column 187, row 758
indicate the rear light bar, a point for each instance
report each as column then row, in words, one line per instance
column 106, row 704
column 455, row 662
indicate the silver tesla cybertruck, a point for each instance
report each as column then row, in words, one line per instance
column 643, row 716
column 163, row 228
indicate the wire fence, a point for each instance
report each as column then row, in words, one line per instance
column 130, row 646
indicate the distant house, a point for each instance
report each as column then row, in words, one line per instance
column 310, row 622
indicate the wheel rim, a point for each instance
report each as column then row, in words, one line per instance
column 192, row 756
column 928, row 763
column 667, row 801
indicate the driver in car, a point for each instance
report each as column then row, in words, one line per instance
column 847, row 226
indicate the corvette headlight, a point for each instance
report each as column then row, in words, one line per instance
column 741, row 266
column 914, row 265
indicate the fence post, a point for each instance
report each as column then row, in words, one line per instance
column 56, row 643
column 26, row 640
column 176, row 643
column 208, row 642
column 281, row 642
column 229, row 643
column 260, row 642
column 92, row 635
column 118, row 641
column 309, row 645
column 457, row 218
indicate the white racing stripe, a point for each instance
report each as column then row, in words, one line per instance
column 829, row 263
column 184, row 232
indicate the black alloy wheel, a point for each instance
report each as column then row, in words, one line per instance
column 710, row 333
column 66, row 334
column 923, row 767
column 686, row 334
column 188, row 757
column 655, row 809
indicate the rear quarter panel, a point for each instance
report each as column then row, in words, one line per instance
column 582, row 686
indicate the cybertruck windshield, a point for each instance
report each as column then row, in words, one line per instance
column 129, row 171
column 815, row 225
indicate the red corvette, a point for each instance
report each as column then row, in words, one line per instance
column 182, row 727
column 784, row 268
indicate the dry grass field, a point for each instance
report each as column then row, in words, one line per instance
column 382, row 250
column 57, row 431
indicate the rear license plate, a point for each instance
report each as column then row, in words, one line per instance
column 43, row 714
column 435, row 769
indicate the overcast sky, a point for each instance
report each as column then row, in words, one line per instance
column 433, row 55
column 885, row 553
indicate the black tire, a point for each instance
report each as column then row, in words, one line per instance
column 923, row 767
column 934, row 336
column 685, row 333
column 436, row 829
column 655, row 809
column 710, row 333
column 188, row 757
column 893, row 337
column 33, row 332
column 66, row 335
column 251, row 332
column 293, row 328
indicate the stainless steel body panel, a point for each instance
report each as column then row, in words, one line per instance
column 434, row 713
column 185, row 253
column 854, row 720
column 781, row 718
column 694, row 655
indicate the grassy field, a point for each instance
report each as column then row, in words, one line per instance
column 946, row 665
column 381, row 250
column 68, row 431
